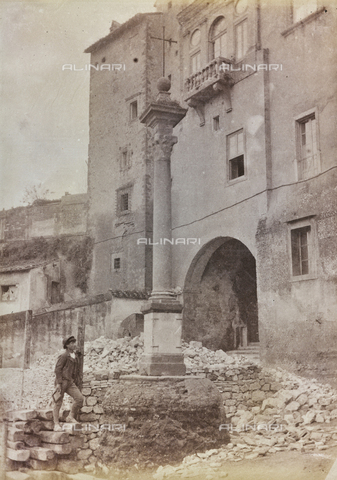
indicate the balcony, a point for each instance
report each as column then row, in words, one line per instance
column 207, row 83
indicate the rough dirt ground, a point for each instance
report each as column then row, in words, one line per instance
column 281, row 466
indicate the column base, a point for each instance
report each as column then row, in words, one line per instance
column 162, row 364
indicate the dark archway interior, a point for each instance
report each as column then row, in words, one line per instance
column 221, row 298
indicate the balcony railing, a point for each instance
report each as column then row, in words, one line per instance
column 210, row 74
column 208, row 82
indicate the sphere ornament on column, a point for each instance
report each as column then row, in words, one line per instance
column 164, row 84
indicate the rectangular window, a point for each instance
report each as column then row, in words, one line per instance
column 300, row 250
column 235, row 149
column 307, row 149
column 117, row 263
column 9, row 293
column 124, row 159
column 195, row 63
column 241, row 39
column 303, row 8
column 133, row 110
column 216, row 123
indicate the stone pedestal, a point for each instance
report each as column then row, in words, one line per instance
column 162, row 338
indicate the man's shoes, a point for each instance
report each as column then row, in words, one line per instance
column 71, row 419
column 57, row 428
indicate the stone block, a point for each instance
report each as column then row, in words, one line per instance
column 292, row 407
column 258, row 396
column 88, row 417
column 17, row 476
column 32, row 440
column 86, row 409
column 54, row 437
column 15, row 445
column 91, row 401
column 98, row 409
column 302, row 399
column 41, row 453
column 77, row 442
column 67, row 466
column 309, row 417
column 62, row 449
column 94, row 443
column 31, row 426
column 21, row 415
column 15, row 435
column 45, row 414
column 84, row 454
column 86, row 391
column 226, row 395
column 18, row 455
column 47, row 425
column 41, row 465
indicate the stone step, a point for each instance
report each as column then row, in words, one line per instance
column 41, row 453
column 32, row 440
column 42, row 465
column 31, row 426
column 15, row 435
column 18, row 455
column 54, row 437
column 15, row 445
column 63, row 449
column 21, row 415
column 45, row 414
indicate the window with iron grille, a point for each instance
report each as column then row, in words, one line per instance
column 300, row 250
column 123, row 200
column 117, row 263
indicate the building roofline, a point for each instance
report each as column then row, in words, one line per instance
column 135, row 20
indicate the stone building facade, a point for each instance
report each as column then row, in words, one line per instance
column 44, row 250
column 253, row 171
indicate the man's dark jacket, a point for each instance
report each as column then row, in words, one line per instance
column 67, row 370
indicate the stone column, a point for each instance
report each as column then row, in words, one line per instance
column 162, row 313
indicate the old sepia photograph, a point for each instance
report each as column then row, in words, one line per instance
column 168, row 240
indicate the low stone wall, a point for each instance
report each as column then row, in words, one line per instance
column 244, row 387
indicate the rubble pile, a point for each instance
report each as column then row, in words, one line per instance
column 123, row 354
column 114, row 355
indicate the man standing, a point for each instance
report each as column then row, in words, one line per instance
column 67, row 373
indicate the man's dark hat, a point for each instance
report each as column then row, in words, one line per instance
column 68, row 340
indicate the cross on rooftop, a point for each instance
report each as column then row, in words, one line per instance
column 164, row 40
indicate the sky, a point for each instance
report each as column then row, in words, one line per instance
column 44, row 126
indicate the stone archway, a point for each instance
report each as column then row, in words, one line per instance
column 220, row 299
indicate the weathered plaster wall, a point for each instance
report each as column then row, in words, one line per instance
column 298, row 316
column 112, row 132
column 45, row 218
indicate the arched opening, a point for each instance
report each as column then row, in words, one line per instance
column 218, row 38
column 220, row 299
